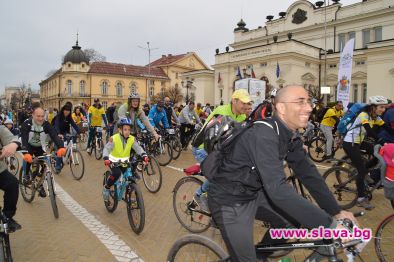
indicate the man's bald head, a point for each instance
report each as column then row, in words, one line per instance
column 285, row 93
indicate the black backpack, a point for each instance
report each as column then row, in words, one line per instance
column 320, row 113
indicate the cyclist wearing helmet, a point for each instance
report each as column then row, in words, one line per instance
column 96, row 116
column 10, row 125
column 158, row 116
column 132, row 110
column 364, row 125
column 120, row 146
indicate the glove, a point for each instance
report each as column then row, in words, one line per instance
column 107, row 162
column 61, row 152
column 145, row 159
column 28, row 158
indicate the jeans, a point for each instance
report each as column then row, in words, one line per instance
column 327, row 131
column 92, row 132
column 200, row 154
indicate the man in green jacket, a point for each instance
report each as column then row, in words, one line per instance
column 236, row 110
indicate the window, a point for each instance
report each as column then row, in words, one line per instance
column 133, row 88
column 105, row 105
column 307, row 64
column 352, row 35
column 119, row 89
column 82, row 88
column 332, row 65
column 104, row 88
column 360, row 62
column 176, row 75
column 355, row 93
column 221, row 93
column 163, row 84
column 152, row 82
column 366, row 37
column 151, row 91
column 364, row 94
column 162, row 91
column 69, row 87
column 264, row 64
column 378, row 33
column 341, row 42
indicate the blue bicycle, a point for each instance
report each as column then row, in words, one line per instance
column 126, row 189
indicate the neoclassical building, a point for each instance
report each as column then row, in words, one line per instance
column 79, row 80
column 296, row 42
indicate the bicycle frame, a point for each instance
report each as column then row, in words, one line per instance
column 123, row 182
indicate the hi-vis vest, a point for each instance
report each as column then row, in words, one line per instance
column 118, row 151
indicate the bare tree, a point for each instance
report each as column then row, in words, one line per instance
column 94, row 55
column 174, row 93
column 22, row 94
column 50, row 73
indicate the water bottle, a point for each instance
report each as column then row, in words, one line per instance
column 285, row 259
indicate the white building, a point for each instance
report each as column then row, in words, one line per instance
column 297, row 40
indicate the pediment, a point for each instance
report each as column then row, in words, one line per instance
column 359, row 75
column 332, row 78
column 308, row 77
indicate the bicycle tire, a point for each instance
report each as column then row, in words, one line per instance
column 201, row 240
column 13, row 168
column 382, row 255
column 165, row 157
column 149, row 174
column 112, row 195
column 28, row 197
column 98, row 151
column 341, row 185
column 184, row 205
column 79, row 158
column 52, row 193
column 5, row 248
column 133, row 205
column 316, row 149
column 176, row 148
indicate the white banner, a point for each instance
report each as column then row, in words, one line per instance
column 345, row 73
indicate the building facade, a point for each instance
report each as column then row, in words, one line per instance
column 303, row 47
column 80, row 81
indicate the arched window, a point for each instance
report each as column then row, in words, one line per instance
column 162, row 91
column 364, row 93
column 119, row 89
column 82, row 88
column 69, row 89
column 151, row 91
column 355, row 93
column 133, row 88
column 104, row 87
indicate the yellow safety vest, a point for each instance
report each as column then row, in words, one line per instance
column 118, row 151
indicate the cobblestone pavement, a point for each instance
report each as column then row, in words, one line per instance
column 85, row 230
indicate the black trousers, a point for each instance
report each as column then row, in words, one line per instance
column 352, row 150
column 116, row 172
column 184, row 133
column 34, row 151
column 9, row 184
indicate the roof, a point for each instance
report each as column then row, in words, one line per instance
column 126, row 70
column 76, row 55
column 167, row 60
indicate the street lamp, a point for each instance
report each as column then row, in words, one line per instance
column 187, row 84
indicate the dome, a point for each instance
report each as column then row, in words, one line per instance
column 76, row 55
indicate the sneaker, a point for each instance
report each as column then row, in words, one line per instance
column 41, row 191
column 89, row 150
column 13, row 225
column 202, row 201
column 106, row 194
column 364, row 203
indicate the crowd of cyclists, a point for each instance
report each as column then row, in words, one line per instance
column 249, row 182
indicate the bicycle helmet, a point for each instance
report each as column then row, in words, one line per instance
column 8, row 121
column 124, row 121
column 377, row 100
column 216, row 130
column 134, row 96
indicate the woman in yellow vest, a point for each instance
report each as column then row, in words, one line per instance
column 120, row 146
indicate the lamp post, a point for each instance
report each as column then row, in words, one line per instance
column 187, row 84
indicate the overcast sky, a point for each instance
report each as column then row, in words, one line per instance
column 36, row 34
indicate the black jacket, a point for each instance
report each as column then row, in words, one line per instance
column 27, row 133
column 256, row 162
column 63, row 125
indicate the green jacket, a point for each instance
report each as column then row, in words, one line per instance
column 6, row 137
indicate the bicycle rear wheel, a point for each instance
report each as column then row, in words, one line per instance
column 316, row 149
column 135, row 208
column 28, row 189
column 384, row 239
column 186, row 209
column 77, row 164
column 152, row 176
column 196, row 248
column 52, row 193
column 98, row 150
column 164, row 154
column 13, row 165
column 342, row 184
column 112, row 204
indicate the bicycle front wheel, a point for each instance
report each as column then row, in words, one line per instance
column 13, row 165
column 77, row 164
column 316, row 149
column 27, row 187
column 384, row 238
column 163, row 154
column 186, row 209
column 135, row 208
column 112, row 202
column 98, row 150
column 342, row 184
column 152, row 176
column 196, row 248
column 5, row 248
column 52, row 193
column 176, row 148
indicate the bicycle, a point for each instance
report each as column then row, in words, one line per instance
column 171, row 137
column 73, row 158
column 316, row 147
column 126, row 189
column 204, row 249
column 191, row 136
column 151, row 174
column 13, row 164
column 160, row 149
column 384, row 238
column 83, row 137
column 97, row 143
column 5, row 245
column 40, row 172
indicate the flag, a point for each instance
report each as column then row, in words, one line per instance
column 219, row 79
column 277, row 70
column 239, row 73
column 252, row 73
column 345, row 73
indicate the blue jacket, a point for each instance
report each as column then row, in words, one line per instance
column 387, row 131
column 155, row 117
